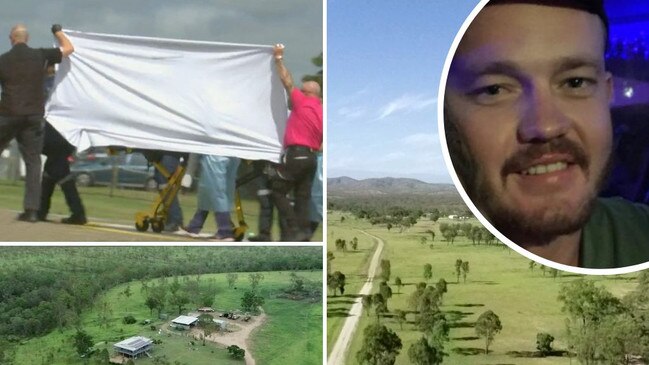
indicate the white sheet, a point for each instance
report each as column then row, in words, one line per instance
column 202, row 97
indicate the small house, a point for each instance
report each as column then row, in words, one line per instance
column 134, row 346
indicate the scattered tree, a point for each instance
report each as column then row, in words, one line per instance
column 380, row 346
column 544, row 342
column 251, row 301
column 255, row 279
column 428, row 272
column 82, row 342
column 398, row 283
column 400, row 315
column 487, row 326
column 236, row 352
column 367, row 303
column 421, row 353
column 232, row 279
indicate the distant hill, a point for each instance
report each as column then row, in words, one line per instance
column 385, row 186
column 345, row 193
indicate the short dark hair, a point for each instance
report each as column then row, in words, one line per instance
column 592, row 6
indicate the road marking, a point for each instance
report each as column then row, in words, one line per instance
column 120, row 228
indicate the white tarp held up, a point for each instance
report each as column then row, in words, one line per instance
column 174, row 95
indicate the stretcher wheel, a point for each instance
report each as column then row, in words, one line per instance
column 239, row 234
column 142, row 226
column 157, row 226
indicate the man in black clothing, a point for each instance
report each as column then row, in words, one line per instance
column 22, row 73
column 57, row 171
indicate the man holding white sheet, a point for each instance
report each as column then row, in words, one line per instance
column 22, row 73
column 302, row 140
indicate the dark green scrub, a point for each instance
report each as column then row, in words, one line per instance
column 616, row 235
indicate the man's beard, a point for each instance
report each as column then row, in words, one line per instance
column 540, row 227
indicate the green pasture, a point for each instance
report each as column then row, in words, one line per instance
column 121, row 206
column 499, row 280
column 298, row 323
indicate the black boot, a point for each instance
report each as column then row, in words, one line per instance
column 47, row 189
column 73, row 200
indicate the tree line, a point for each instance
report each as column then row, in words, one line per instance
column 42, row 288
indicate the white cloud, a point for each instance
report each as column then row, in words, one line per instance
column 351, row 112
column 421, row 139
column 407, row 103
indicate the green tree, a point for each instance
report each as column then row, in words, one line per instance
column 380, row 346
column 544, row 343
column 398, row 284
column 400, row 315
column 367, row 303
column 236, row 352
column 232, row 279
column 355, row 243
column 441, row 288
column 465, row 270
column 206, row 323
column 385, row 290
column 487, row 326
column 421, row 353
column 385, row 270
column 255, row 279
column 428, row 272
column 330, row 257
column 82, row 342
column 152, row 303
column 336, row 281
column 458, row 269
column 179, row 300
column 251, row 301
column 317, row 77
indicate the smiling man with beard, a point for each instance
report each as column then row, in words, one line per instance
column 529, row 131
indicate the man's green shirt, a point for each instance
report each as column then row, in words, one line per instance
column 616, row 235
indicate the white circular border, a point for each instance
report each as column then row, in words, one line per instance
column 465, row 197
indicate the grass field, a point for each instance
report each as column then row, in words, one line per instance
column 124, row 203
column 292, row 333
column 499, row 280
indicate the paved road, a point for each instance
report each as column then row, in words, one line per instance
column 339, row 351
column 12, row 230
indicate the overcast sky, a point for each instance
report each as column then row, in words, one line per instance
column 296, row 23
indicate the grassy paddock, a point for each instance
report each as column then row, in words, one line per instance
column 301, row 344
column 499, row 280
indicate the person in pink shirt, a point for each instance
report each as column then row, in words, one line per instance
column 302, row 140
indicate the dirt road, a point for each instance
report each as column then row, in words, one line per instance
column 240, row 337
column 338, row 352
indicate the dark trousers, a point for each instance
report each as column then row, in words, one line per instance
column 28, row 131
column 57, row 171
column 295, row 175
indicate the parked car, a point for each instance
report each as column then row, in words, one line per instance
column 133, row 171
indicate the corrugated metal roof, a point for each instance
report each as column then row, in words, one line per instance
column 186, row 320
column 134, row 343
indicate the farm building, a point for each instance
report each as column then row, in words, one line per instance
column 134, row 346
column 184, row 322
column 223, row 325
column 206, row 310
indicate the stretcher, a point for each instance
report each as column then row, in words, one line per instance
column 158, row 213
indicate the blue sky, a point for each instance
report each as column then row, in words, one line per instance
column 384, row 62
